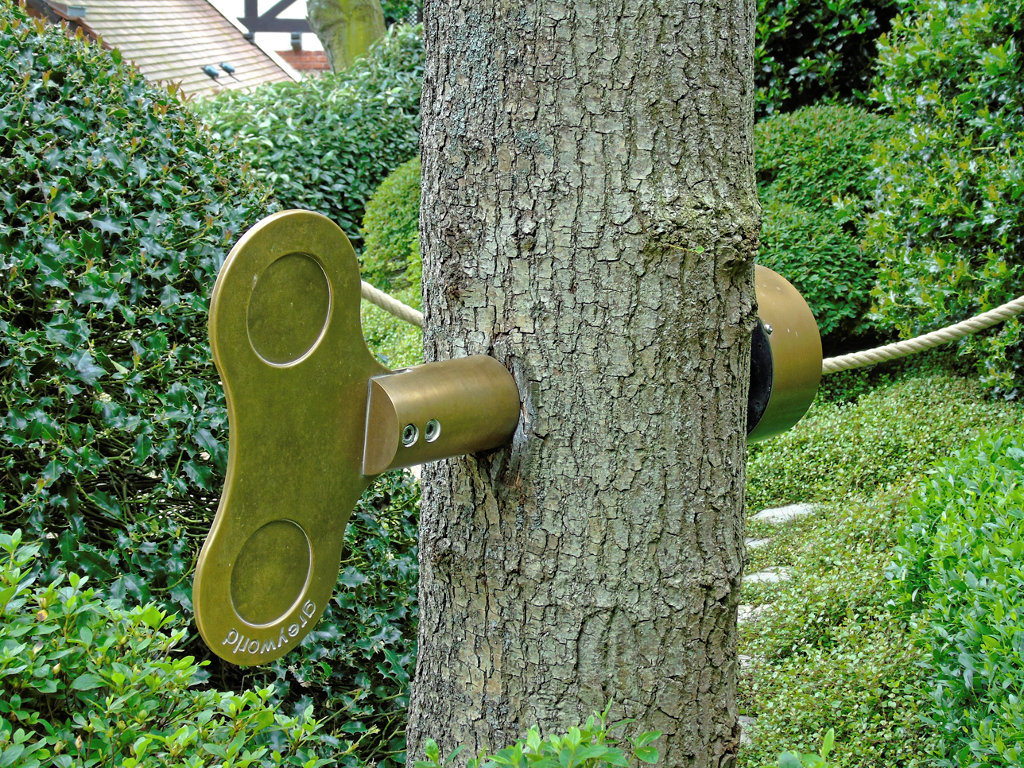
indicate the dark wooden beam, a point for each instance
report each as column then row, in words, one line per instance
column 269, row 20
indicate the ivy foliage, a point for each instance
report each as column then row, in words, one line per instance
column 808, row 51
column 813, row 176
column 91, row 684
column 959, row 571
column 117, row 211
column 949, row 225
column 326, row 143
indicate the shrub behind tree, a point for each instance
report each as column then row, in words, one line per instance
column 326, row 143
column 949, row 225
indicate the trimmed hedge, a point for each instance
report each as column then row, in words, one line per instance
column 326, row 143
column 813, row 177
column 960, row 570
column 949, row 225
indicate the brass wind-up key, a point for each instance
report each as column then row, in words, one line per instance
column 313, row 417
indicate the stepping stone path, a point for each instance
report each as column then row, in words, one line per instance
column 769, row 576
column 779, row 515
column 750, row 613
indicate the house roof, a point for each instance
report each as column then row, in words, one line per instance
column 173, row 40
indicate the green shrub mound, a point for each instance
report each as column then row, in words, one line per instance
column 326, row 143
column 117, row 211
column 396, row 343
column 949, row 228
column 391, row 261
column 814, row 252
column 391, row 231
column 960, row 570
column 807, row 51
column 88, row 684
column 399, row 11
column 813, row 177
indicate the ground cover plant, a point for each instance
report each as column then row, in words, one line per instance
column 958, row 571
column 326, row 143
column 831, row 648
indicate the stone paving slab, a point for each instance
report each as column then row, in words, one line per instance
column 746, row 614
column 769, row 575
column 779, row 515
column 746, row 730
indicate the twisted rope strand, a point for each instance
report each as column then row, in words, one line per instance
column 863, row 359
column 926, row 341
column 391, row 305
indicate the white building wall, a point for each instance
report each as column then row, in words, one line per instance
column 276, row 41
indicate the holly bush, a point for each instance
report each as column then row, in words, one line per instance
column 326, row 143
column 807, row 51
column 117, row 212
column 118, row 208
column 949, row 225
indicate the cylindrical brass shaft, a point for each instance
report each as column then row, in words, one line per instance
column 438, row 410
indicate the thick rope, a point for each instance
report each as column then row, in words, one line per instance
column 391, row 305
column 830, row 365
column 926, row 341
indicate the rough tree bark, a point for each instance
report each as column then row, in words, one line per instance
column 589, row 218
column 345, row 28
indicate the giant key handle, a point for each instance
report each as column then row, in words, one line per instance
column 314, row 417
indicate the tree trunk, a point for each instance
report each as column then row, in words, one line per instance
column 345, row 28
column 590, row 219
